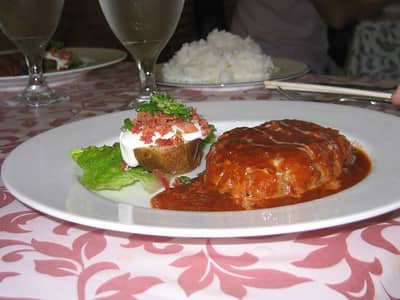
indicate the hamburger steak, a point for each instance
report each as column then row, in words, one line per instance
column 273, row 164
column 276, row 159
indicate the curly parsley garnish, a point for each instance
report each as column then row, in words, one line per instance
column 127, row 125
column 211, row 137
column 184, row 180
column 166, row 104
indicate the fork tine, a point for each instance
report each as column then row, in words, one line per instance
column 294, row 96
column 289, row 95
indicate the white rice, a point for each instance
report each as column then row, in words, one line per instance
column 222, row 58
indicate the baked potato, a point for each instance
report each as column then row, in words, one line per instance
column 175, row 159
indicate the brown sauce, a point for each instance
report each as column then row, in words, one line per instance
column 200, row 197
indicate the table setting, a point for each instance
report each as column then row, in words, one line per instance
column 61, row 239
column 89, row 58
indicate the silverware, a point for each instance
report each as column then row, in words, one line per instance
column 295, row 96
column 368, row 95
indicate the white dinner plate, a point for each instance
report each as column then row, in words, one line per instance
column 41, row 174
column 285, row 69
column 93, row 58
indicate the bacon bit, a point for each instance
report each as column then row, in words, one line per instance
column 160, row 176
column 177, row 182
column 147, row 137
column 62, row 53
column 176, row 140
column 165, row 142
column 148, row 124
column 187, row 127
column 123, row 165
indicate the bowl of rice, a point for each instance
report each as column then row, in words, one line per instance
column 222, row 59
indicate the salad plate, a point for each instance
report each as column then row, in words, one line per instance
column 92, row 58
column 285, row 69
column 51, row 183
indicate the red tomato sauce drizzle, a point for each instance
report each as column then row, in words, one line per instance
column 200, row 197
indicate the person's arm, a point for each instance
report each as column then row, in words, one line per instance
column 339, row 13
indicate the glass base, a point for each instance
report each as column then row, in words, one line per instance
column 34, row 99
column 136, row 102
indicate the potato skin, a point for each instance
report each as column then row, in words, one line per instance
column 177, row 159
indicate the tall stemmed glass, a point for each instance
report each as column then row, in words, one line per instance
column 30, row 24
column 144, row 27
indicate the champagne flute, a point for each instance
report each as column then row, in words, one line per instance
column 144, row 27
column 30, row 24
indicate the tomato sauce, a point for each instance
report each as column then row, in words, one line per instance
column 197, row 196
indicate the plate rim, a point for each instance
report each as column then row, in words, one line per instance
column 120, row 56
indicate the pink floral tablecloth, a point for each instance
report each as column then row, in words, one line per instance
column 46, row 258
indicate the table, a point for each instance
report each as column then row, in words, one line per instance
column 45, row 258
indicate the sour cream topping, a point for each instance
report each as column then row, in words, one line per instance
column 129, row 141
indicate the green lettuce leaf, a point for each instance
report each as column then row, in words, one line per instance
column 102, row 170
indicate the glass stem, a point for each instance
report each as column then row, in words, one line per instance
column 147, row 79
column 35, row 69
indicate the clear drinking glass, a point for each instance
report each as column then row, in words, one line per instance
column 144, row 27
column 30, row 24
